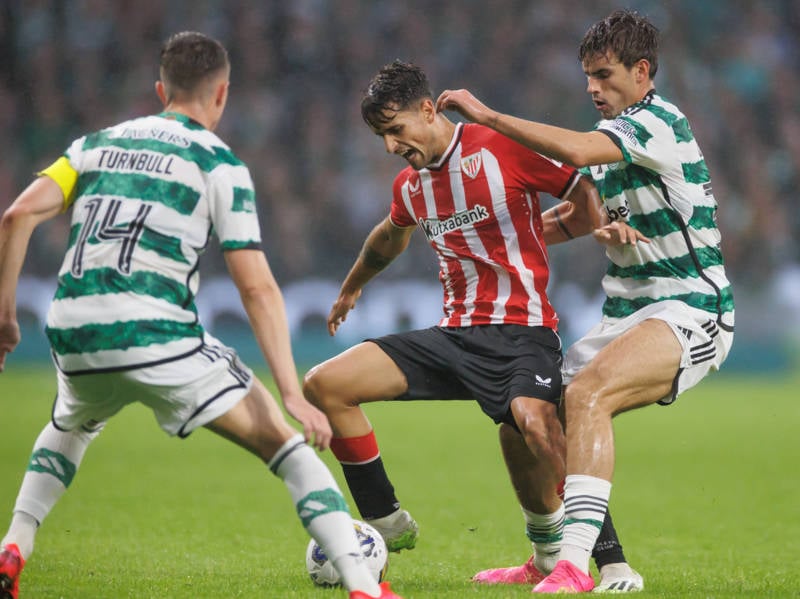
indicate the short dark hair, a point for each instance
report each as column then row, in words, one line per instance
column 395, row 87
column 188, row 59
column 627, row 34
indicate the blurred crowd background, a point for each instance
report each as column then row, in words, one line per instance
column 323, row 179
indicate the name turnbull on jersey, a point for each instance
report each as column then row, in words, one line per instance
column 148, row 162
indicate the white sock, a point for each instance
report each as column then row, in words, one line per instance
column 323, row 512
column 546, row 531
column 586, row 503
column 54, row 461
column 21, row 533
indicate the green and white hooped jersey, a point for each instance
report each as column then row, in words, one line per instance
column 148, row 195
column 661, row 188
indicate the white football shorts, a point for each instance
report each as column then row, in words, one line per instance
column 183, row 393
column 705, row 345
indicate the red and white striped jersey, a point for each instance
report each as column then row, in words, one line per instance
column 479, row 209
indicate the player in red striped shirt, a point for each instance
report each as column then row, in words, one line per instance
column 474, row 194
column 478, row 207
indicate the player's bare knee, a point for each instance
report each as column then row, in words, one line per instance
column 542, row 433
column 320, row 390
column 313, row 386
column 586, row 394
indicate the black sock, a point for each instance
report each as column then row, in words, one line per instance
column 607, row 549
column 371, row 489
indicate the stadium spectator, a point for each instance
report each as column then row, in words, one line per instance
column 669, row 313
column 474, row 195
column 739, row 85
column 145, row 196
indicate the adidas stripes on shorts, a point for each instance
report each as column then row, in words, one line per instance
column 705, row 344
column 183, row 393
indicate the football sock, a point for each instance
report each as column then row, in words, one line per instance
column 607, row 549
column 351, row 567
column 546, row 532
column 586, row 503
column 21, row 533
column 366, row 477
column 54, row 461
column 323, row 511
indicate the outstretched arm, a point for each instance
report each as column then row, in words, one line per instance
column 571, row 147
column 579, row 214
column 42, row 200
column 619, row 233
column 383, row 244
column 263, row 302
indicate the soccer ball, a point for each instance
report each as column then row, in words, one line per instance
column 321, row 570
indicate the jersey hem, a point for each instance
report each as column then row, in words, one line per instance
column 124, row 367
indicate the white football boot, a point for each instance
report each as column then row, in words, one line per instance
column 619, row 578
column 398, row 529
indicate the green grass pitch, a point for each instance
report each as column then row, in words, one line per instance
column 705, row 498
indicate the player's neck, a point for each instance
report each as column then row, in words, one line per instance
column 643, row 91
column 447, row 129
column 191, row 111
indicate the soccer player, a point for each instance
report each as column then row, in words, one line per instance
column 669, row 313
column 145, row 196
column 474, row 194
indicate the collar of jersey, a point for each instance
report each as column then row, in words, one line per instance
column 446, row 156
column 180, row 117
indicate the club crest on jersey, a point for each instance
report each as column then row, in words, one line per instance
column 471, row 165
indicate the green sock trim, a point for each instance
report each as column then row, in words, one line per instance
column 51, row 462
column 598, row 524
column 544, row 538
column 318, row 503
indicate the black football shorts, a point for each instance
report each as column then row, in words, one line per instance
column 491, row 364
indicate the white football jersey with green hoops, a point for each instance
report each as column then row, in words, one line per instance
column 661, row 188
column 148, row 194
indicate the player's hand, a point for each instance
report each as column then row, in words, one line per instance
column 338, row 314
column 619, row 233
column 9, row 339
column 316, row 428
column 467, row 105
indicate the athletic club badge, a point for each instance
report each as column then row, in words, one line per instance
column 471, row 165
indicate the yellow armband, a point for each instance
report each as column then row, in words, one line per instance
column 65, row 176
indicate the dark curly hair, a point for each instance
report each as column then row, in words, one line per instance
column 625, row 33
column 394, row 88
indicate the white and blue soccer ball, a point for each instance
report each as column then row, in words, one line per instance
column 321, row 570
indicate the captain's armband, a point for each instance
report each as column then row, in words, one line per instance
column 65, row 176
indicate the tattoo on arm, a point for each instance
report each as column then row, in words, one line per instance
column 373, row 259
column 562, row 226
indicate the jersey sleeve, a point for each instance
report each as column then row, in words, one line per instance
column 232, row 203
column 400, row 214
column 65, row 176
column 65, row 171
column 539, row 173
column 643, row 139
